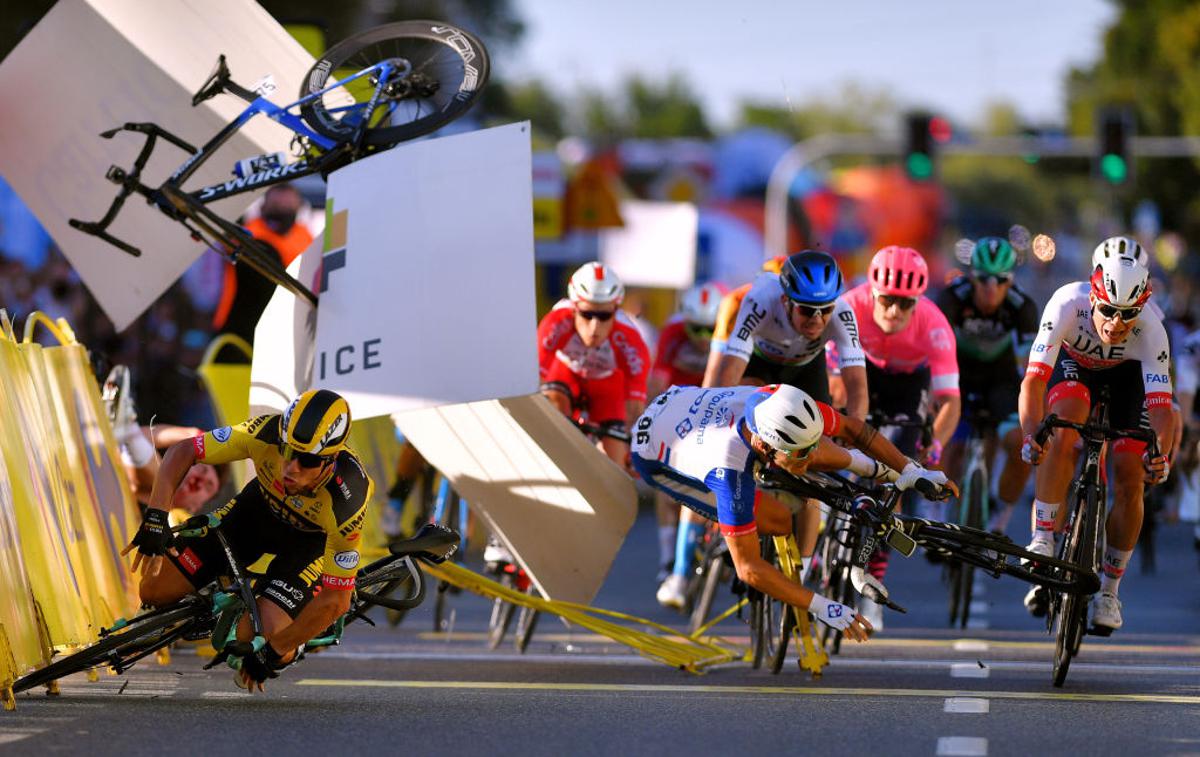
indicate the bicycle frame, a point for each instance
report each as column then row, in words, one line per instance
column 190, row 208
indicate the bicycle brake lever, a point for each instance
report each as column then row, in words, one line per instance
column 872, row 589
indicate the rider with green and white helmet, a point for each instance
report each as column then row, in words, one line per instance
column 995, row 323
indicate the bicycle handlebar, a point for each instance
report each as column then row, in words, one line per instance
column 612, row 432
column 1097, row 433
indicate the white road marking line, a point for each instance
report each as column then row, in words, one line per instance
column 978, row 589
column 972, row 705
column 226, row 695
column 968, row 670
column 8, row 738
column 971, row 645
column 961, row 746
column 979, row 606
column 977, row 623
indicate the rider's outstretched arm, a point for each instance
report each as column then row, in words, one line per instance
column 866, row 438
column 316, row 616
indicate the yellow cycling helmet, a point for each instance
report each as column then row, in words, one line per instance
column 316, row 423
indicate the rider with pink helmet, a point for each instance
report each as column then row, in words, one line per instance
column 912, row 365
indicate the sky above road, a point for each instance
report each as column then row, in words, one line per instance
column 953, row 56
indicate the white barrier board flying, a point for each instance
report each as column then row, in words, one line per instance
column 426, row 287
column 657, row 245
column 92, row 65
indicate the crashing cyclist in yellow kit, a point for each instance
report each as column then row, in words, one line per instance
column 305, row 507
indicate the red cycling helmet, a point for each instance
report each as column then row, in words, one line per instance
column 898, row 271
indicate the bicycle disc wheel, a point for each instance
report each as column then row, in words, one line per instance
column 140, row 637
column 446, row 70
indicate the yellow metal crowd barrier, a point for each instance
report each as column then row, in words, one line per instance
column 66, row 509
column 656, row 641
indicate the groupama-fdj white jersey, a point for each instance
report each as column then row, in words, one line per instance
column 688, row 444
column 763, row 327
column 1067, row 324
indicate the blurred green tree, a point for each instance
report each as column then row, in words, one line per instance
column 641, row 108
column 854, row 109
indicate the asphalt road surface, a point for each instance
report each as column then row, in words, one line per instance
column 917, row 688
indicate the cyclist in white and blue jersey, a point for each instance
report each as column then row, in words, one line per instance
column 701, row 446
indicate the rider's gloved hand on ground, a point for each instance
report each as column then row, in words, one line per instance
column 840, row 617
column 258, row 667
column 913, row 473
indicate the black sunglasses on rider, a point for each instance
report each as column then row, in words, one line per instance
column 1110, row 312
column 997, row 278
column 904, row 303
column 810, row 311
column 305, row 459
column 597, row 315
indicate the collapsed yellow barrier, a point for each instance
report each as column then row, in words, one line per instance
column 65, row 505
column 667, row 646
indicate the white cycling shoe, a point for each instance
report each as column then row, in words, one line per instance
column 1037, row 601
column 673, row 592
column 1106, row 613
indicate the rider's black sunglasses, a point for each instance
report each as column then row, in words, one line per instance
column 904, row 303
column 1110, row 312
column 598, row 315
column 997, row 278
column 304, row 459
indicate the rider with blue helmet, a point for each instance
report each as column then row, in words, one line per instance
column 782, row 325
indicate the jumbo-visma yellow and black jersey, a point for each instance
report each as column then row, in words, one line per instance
column 335, row 506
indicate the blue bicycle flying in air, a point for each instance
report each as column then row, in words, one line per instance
column 364, row 95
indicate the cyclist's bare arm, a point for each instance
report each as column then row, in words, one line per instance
column 947, row 410
column 762, row 575
column 727, row 371
column 317, row 615
column 166, row 434
column 174, row 466
column 864, row 437
column 855, row 379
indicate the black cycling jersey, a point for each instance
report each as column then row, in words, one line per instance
column 988, row 344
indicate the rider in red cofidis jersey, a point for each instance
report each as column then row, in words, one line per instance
column 591, row 359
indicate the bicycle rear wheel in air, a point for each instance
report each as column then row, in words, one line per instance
column 143, row 635
column 449, row 67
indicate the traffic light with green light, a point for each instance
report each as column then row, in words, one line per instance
column 1115, row 164
column 922, row 134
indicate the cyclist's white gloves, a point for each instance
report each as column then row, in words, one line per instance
column 913, row 473
column 833, row 614
column 868, row 585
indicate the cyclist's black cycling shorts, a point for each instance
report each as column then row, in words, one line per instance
column 998, row 398
column 1126, row 392
column 893, row 394
column 292, row 577
column 810, row 377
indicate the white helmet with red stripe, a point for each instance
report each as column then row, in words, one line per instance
column 700, row 304
column 1121, row 282
column 786, row 418
column 597, row 284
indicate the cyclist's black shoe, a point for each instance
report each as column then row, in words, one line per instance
column 1037, row 601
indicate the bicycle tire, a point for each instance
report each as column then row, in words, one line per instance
column 1071, row 617
column 976, row 506
column 502, row 613
column 377, row 587
column 137, row 638
column 527, row 620
column 452, row 60
column 787, row 622
column 712, row 578
column 441, row 602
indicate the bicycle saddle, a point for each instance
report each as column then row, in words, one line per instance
column 433, row 541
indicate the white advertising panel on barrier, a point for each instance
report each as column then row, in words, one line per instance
column 556, row 501
column 426, row 290
column 93, row 65
column 283, row 340
column 656, row 247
